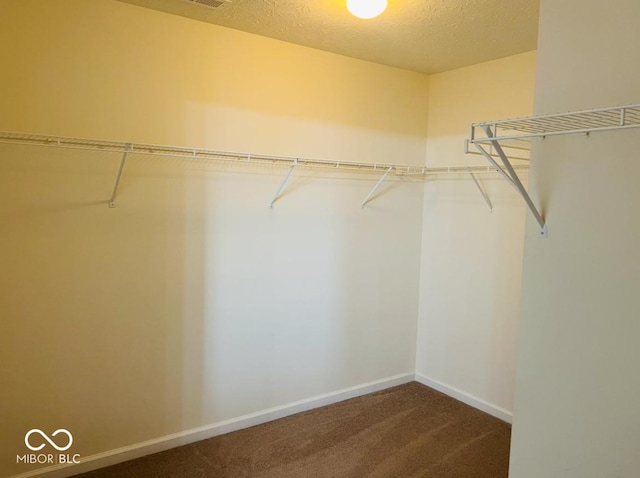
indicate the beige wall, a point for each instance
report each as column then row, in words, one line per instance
column 121, row 72
column 472, row 258
column 193, row 302
column 488, row 91
column 577, row 412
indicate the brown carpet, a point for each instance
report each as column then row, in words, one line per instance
column 404, row 432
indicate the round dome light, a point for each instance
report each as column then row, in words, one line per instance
column 366, row 8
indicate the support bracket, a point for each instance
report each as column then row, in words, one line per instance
column 375, row 188
column 512, row 177
column 112, row 201
column 284, row 181
column 481, row 189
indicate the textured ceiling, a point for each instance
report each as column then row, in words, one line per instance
column 428, row 36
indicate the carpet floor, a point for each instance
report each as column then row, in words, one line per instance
column 405, row 432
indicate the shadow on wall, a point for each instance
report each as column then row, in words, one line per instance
column 101, row 307
column 470, row 288
column 192, row 301
column 289, row 298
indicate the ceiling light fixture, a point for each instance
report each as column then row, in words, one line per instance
column 366, row 8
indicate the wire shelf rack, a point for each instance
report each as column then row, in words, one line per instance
column 127, row 149
column 586, row 121
column 207, row 154
column 494, row 139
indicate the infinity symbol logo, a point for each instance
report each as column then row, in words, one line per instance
column 44, row 435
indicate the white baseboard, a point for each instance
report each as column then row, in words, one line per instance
column 137, row 450
column 464, row 397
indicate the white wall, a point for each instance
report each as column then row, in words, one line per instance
column 472, row 258
column 577, row 412
column 192, row 302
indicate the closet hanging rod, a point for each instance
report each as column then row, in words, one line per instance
column 191, row 153
column 206, row 154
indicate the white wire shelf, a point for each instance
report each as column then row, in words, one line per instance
column 577, row 122
column 207, row 154
column 499, row 138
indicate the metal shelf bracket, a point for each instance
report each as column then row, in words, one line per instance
column 510, row 174
column 582, row 122
column 375, row 188
column 481, row 189
column 112, row 201
column 284, row 181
